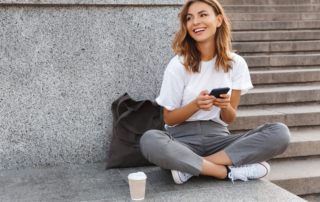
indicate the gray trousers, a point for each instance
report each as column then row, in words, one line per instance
column 183, row 146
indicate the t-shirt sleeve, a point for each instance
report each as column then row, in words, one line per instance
column 172, row 87
column 241, row 77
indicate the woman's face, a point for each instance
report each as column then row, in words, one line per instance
column 202, row 22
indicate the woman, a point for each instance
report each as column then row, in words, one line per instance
column 197, row 141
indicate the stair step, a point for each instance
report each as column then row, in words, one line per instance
column 311, row 197
column 270, row 8
column 298, row 176
column 274, row 25
column 273, row 16
column 305, row 142
column 265, row 16
column 289, row 94
column 268, row 2
column 248, row 119
column 272, row 47
column 310, row 16
column 282, row 60
column 276, row 35
column 285, row 76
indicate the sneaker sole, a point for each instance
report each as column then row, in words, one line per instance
column 176, row 177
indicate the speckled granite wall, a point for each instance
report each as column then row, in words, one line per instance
column 61, row 68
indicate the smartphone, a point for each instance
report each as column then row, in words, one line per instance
column 218, row 91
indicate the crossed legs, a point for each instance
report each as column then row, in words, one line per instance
column 214, row 165
column 255, row 146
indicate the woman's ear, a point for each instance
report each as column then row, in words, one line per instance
column 220, row 20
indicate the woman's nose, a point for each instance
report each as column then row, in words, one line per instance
column 195, row 21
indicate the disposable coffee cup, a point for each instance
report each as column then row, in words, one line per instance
column 137, row 184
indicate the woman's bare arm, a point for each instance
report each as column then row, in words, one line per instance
column 179, row 115
column 228, row 106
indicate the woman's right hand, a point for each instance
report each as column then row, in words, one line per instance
column 204, row 101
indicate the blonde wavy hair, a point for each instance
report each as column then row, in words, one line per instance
column 184, row 45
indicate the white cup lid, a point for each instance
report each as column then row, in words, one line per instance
column 137, row 176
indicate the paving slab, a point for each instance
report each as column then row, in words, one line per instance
column 299, row 176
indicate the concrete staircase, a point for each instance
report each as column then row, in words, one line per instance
column 280, row 40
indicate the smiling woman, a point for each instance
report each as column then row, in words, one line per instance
column 216, row 37
column 197, row 141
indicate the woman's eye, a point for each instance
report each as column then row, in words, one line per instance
column 188, row 19
column 202, row 15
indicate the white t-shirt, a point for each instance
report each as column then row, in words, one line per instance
column 180, row 88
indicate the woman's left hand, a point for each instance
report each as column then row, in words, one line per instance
column 222, row 102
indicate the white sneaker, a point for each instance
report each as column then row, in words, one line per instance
column 180, row 177
column 251, row 171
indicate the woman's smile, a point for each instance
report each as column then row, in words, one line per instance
column 199, row 31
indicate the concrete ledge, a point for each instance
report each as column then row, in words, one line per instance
column 91, row 182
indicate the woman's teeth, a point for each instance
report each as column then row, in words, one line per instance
column 199, row 30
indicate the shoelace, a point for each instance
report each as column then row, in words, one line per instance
column 186, row 175
column 242, row 172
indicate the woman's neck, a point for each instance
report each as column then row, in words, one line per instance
column 207, row 50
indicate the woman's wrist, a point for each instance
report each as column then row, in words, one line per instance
column 227, row 108
column 228, row 114
column 195, row 103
